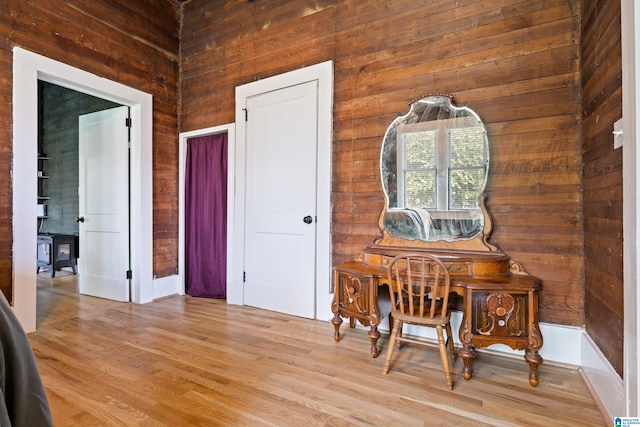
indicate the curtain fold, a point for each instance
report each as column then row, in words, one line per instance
column 206, row 216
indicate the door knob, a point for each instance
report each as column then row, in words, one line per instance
column 79, row 219
column 307, row 219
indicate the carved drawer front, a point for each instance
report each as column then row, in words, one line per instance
column 499, row 314
column 463, row 268
column 354, row 292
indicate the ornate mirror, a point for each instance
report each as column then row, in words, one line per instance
column 434, row 165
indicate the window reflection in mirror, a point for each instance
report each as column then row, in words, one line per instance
column 434, row 167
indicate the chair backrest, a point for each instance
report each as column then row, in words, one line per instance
column 419, row 285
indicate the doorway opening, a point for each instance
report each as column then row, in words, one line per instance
column 28, row 69
column 205, row 190
column 58, row 201
column 322, row 74
column 229, row 131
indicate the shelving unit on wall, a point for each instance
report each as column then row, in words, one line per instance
column 42, row 192
column 55, row 251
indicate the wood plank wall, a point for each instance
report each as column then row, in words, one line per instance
column 131, row 42
column 602, row 106
column 515, row 62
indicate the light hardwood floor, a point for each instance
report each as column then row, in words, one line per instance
column 185, row 361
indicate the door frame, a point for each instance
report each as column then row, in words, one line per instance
column 230, row 130
column 323, row 74
column 628, row 401
column 28, row 68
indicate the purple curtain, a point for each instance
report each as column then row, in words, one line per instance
column 206, row 216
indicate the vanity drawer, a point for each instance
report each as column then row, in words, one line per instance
column 459, row 263
column 462, row 268
column 456, row 267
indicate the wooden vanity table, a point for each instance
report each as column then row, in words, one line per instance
column 500, row 300
column 500, row 307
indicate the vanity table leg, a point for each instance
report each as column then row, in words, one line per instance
column 533, row 359
column 374, row 335
column 337, row 321
column 467, row 353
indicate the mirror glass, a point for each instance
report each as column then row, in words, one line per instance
column 434, row 165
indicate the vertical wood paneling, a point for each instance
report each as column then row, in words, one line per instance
column 516, row 63
column 601, row 77
column 133, row 43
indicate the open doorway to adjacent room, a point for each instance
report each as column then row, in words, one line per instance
column 28, row 70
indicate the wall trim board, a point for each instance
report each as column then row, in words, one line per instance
column 165, row 287
column 603, row 381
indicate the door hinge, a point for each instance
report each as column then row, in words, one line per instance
column 128, row 123
column 246, row 114
column 129, row 274
column 244, row 276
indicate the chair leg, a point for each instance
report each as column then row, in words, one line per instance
column 452, row 350
column 397, row 328
column 444, row 357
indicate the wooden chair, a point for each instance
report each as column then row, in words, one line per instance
column 419, row 292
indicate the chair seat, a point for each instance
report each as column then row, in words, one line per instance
column 417, row 320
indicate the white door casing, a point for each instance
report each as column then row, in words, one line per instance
column 28, row 68
column 281, row 134
column 323, row 74
column 230, row 130
column 103, row 190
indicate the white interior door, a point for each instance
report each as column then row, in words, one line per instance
column 280, row 222
column 104, row 204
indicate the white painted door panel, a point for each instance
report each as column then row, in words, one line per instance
column 104, row 204
column 281, row 151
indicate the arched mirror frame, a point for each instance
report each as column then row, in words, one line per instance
column 480, row 242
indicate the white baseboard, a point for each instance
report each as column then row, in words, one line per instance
column 604, row 382
column 561, row 344
column 165, row 286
